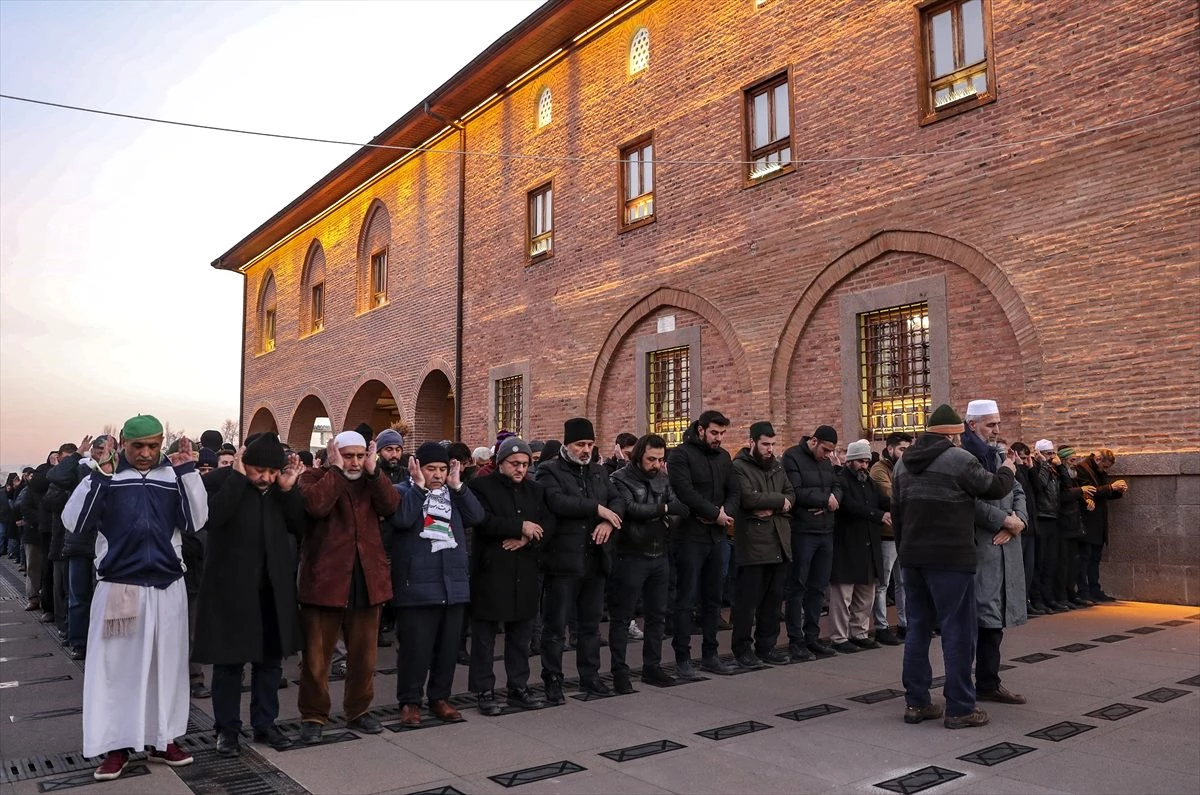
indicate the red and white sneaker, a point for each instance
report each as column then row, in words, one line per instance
column 112, row 767
column 172, row 756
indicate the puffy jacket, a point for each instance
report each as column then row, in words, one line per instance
column 70, row 472
column 703, row 480
column 763, row 486
column 421, row 576
column 140, row 517
column 645, row 505
column 813, row 483
column 573, row 493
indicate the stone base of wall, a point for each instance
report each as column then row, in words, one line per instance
column 1153, row 554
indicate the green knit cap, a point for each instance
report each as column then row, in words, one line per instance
column 944, row 419
column 140, row 427
column 1066, row 452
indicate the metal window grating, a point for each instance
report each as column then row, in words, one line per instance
column 545, row 110
column 668, row 398
column 639, row 51
column 509, row 396
column 893, row 355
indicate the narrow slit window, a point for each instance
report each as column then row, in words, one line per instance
column 317, row 306
column 379, row 278
column 541, row 221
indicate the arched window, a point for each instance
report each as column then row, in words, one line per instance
column 266, row 314
column 373, row 243
column 544, row 111
column 639, row 51
column 312, row 290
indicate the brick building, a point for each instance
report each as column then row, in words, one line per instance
column 809, row 212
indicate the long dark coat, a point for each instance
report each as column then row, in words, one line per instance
column 857, row 539
column 504, row 585
column 1095, row 522
column 247, row 531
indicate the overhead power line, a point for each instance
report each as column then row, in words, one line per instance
column 608, row 160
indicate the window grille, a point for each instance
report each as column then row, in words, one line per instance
column 544, row 108
column 509, row 397
column 639, row 51
column 668, row 399
column 893, row 346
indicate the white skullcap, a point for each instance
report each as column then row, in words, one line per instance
column 349, row 439
column 981, row 408
column 1044, row 446
column 482, row 452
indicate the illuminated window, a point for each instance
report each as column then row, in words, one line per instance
column 317, row 307
column 769, row 128
column 379, row 278
column 639, row 51
column 544, row 108
column 894, row 373
column 268, row 342
column 637, row 182
column 668, row 391
column 955, row 59
column 509, row 399
column 541, row 221
column 266, row 315
column 312, row 291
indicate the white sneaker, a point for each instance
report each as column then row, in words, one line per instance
column 635, row 632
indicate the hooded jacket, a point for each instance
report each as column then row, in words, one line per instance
column 934, row 487
column 703, row 480
column 645, row 505
column 764, row 486
column 813, row 483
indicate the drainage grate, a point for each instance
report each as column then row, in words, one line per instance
column 45, row 765
column 246, row 774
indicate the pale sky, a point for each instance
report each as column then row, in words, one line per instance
column 108, row 305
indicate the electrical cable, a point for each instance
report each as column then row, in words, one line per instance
column 611, row 161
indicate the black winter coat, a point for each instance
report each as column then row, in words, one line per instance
column 812, row 481
column 250, row 549
column 573, row 493
column 703, row 480
column 645, row 505
column 69, row 473
column 857, row 541
column 762, row 540
column 505, row 586
column 1095, row 522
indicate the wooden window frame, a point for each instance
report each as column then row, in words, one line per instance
column 530, row 236
column 377, row 277
column 927, row 112
column 270, row 328
column 640, row 144
column 316, row 307
column 767, row 84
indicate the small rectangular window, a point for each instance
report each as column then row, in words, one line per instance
column 317, row 306
column 508, row 404
column 955, row 63
column 541, row 221
column 894, row 377
column 637, row 182
column 379, row 278
column 268, row 341
column 768, row 128
column 668, row 398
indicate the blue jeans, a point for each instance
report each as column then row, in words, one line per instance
column 945, row 598
column 804, row 590
column 81, row 582
column 699, row 583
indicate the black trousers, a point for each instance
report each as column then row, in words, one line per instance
column 585, row 594
column 264, row 679
column 482, row 675
column 1049, row 554
column 1089, row 569
column 427, row 652
column 987, row 659
column 756, row 608
column 61, row 589
column 645, row 579
column 699, row 575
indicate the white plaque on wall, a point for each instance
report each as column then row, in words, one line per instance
column 666, row 323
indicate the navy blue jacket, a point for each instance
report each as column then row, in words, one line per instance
column 420, row 576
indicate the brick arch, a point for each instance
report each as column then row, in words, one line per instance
column 374, row 207
column 663, row 296
column 312, row 272
column 362, row 398
column 433, row 408
column 914, row 242
column 263, row 419
column 306, row 411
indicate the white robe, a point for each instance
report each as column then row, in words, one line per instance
column 135, row 686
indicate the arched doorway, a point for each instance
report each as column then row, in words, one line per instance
column 311, row 427
column 434, row 416
column 373, row 404
column 263, row 421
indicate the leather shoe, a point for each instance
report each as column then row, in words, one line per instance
column 622, row 685
column 365, row 723
column 1101, row 596
column 819, row 649
column 524, row 698
column 775, row 657
column 886, row 637
column 228, row 744
column 1000, row 695
column 410, row 715
column 655, row 675
column 715, row 665
column 685, row 670
column 272, row 736
column 310, row 733
column 595, row 686
column 846, row 647
column 487, row 704
column 801, row 654
column 443, row 711
column 554, row 693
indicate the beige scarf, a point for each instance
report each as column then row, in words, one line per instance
column 120, row 610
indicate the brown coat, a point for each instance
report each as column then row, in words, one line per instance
column 345, row 518
column 881, row 473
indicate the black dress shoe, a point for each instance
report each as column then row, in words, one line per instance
column 1101, row 596
column 524, row 698
column 845, row 647
column 595, row 686
column 622, row 685
column 272, row 736
column 749, row 659
column 487, row 704
column 365, row 723
column 310, row 733
column 715, row 665
column 865, row 643
column 554, row 693
column 775, row 657
column 886, row 637
column 801, row 654
column 77, row 654
column 819, row 649
column 228, row 744
column 654, row 675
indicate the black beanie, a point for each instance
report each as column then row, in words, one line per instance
column 366, row 431
column 212, row 440
column 761, row 428
column 306, row 458
column 432, row 453
column 265, row 451
column 578, row 429
column 826, row 433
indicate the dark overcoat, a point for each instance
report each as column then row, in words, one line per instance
column 249, row 546
column 857, row 537
column 505, row 585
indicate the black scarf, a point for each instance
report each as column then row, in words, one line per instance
column 980, row 449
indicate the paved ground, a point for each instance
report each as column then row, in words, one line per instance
column 1117, row 713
